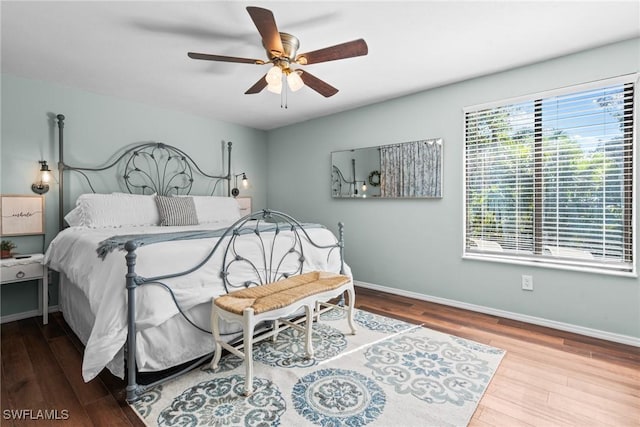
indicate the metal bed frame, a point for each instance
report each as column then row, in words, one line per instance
column 163, row 179
column 150, row 167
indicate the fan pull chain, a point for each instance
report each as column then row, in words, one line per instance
column 286, row 97
column 284, row 94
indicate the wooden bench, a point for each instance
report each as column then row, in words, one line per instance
column 275, row 302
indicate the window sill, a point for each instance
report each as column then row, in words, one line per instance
column 546, row 264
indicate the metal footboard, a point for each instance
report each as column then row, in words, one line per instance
column 266, row 268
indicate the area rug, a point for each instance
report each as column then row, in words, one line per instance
column 391, row 373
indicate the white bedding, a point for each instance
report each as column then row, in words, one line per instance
column 178, row 340
column 73, row 252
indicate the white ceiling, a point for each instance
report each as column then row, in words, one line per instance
column 138, row 50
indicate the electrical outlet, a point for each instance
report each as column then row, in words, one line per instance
column 527, row 282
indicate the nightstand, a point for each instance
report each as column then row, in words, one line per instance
column 21, row 269
column 245, row 205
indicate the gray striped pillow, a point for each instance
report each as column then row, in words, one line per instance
column 176, row 210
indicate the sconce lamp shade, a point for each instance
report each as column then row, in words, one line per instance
column 42, row 186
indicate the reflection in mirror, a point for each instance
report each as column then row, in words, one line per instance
column 407, row 170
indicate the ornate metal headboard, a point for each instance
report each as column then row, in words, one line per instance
column 150, row 167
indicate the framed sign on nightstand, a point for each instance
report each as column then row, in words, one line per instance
column 21, row 215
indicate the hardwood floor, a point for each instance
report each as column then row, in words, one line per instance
column 547, row 378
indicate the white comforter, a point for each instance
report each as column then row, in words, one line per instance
column 73, row 252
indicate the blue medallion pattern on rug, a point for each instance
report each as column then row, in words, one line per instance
column 338, row 397
column 288, row 351
column 228, row 362
column 220, row 402
column 380, row 323
column 145, row 403
column 333, row 314
column 431, row 370
column 472, row 345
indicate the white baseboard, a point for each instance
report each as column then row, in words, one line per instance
column 26, row 314
column 595, row 333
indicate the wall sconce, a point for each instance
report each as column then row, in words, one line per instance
column 363, row 188
column 245, row 184
column 42, row 186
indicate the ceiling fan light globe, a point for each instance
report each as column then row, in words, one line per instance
column 294, row 81
column 274, row 76
column 274, row 88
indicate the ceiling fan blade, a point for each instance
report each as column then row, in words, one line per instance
column 340, row 51
column 266, row 25
column 320, row 86
column 257, row 88
column 222, row 58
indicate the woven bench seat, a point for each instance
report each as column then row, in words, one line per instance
column 274, row 302
column 280, row 294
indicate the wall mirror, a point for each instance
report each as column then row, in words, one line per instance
column 407, row 170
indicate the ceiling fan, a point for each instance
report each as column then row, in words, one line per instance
column 282, row 51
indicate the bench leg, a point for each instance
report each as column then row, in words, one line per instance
column 352, row 301
column 276, row 329
column 248, row 350
column 309, row 330
column 215, row 328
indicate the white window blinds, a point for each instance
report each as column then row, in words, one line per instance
column 550, row 178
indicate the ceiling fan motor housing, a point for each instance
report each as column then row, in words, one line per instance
column 290, row 44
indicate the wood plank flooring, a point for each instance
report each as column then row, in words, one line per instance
column 547, row 378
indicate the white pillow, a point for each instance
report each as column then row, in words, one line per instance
column 116, row 210
column 74, row 217
column 211, row 209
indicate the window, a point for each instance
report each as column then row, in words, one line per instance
column 550, row 178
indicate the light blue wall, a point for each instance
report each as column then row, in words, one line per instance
column 411, row 245
column 416, row 245
column 96, row 127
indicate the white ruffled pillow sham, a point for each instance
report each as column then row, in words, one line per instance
column 125, row 210
column 114, row 210
column 213, row 209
